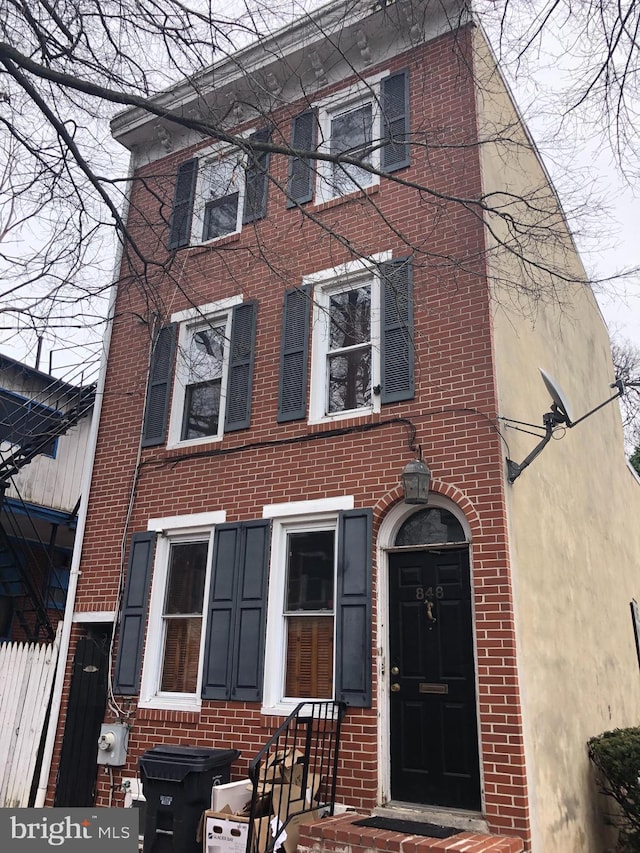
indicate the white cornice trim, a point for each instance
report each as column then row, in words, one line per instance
column 337, row 28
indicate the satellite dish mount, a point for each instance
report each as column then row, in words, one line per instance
column 560, row 414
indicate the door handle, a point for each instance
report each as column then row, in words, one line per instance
column 395, row 687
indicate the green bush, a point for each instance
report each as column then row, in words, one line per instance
column 617, row 755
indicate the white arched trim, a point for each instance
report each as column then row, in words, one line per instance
column 398, row 514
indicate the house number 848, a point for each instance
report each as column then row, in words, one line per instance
column 429, row 592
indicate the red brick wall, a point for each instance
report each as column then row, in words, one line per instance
column 454, row 411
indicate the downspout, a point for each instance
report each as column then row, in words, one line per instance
column 87, row 474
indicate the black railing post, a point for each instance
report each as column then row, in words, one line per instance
column 296, row 771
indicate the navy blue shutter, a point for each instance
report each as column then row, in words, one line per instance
column 250, row 612
column 218, row 651
column 303, row 138
column 397, row 349
column 154, row 430
column 396, row 153
column 182, row 210
column 126, row 680
column 241, row 357
column 294, row 349
column 236, row 616
column 256, row 180
column 353, row 608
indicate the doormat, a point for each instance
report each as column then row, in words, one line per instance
column 409, row 827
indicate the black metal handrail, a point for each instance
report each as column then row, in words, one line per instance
column 295, row 773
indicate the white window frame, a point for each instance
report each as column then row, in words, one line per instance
column 212, row 155
column 192, row 318
column 172, row 530
column 366, row 91
column 298, row 517
column 325, row 283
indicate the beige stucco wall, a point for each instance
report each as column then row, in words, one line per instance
column 574, row 513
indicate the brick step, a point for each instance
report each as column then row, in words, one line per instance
column 339, row 835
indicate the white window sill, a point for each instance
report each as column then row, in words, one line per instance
column 173, row 703
column 194, row 442
column 288, row 706
column 203, row 244
column 353, row 192
column 343, row 416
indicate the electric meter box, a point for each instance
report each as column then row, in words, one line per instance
column 112, row 744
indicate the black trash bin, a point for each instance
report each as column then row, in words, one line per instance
column 177, row 782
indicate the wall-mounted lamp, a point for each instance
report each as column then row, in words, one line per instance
column 415, row 481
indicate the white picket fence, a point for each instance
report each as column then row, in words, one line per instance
column 26, row 681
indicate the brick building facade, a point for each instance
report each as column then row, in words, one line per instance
column 312, row 328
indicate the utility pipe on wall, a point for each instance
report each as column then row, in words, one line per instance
column 56, row 699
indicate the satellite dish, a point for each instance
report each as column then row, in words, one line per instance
column 560, row 413
column 558, row 396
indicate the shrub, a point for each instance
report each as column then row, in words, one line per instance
column 616, row 754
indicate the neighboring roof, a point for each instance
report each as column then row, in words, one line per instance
column 7, row 363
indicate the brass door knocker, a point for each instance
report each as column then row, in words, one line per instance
column 429, row 605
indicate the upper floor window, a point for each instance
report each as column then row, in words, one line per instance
column 360, row 340
column 201, row 388
column 219, row 201
column 219, row 192
column 203, row 364
column 346, row 347
column 370, row 124
column 349, row 352
column 350, row 131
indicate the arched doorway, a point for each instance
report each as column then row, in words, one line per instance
column 433, row 738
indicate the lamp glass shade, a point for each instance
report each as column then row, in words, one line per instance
column 415, row 482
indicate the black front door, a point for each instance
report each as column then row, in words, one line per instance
column 434, row 742
column 78, row 770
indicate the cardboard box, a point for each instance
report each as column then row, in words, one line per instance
column 225, row 833
column 234, row 797
column 282, row 807
column 289, row 799
column 278, row 766
column 291, row 832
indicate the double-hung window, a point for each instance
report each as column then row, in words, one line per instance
column 309, row 613
column 351, row 132
column 211, row 368
column 348, row 370
column 349, row 128
column 204, row 585
column 202, row 364
column 319, row 609
column 356, row 321
column 182, row 616
column 172, row 668
column 219, row 200
column 368, row 124
column 345, row 375
column 218, row 192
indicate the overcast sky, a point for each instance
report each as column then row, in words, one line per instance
column 578, row 156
